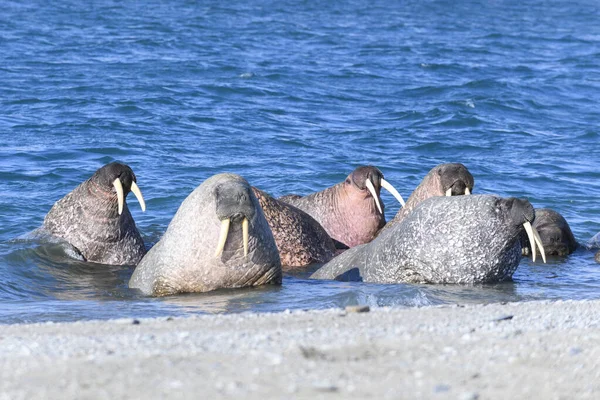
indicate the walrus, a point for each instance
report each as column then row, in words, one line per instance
column 554, row 231
column 351, row 211
column 219, row 238
column 462, row 239
column 301, row 240
column 450, row 179
column 95, row 220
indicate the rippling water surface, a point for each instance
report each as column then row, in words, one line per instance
column 293, row 95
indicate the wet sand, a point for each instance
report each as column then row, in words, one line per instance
column 544, row 350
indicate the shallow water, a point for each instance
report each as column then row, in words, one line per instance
column 293, row 95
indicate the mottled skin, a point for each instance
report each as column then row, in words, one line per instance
column 453, row 176
column 184, row 259
column 463, row 239
column 300, row 239
column 347, row 210
column 88, row 219
column 556, row 235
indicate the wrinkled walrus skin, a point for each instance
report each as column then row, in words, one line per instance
column 347, row 210
column 555, row 232
column 187, row 258
column 89, row 220
column 462, row 239
column 453, row 177
column 300, row 239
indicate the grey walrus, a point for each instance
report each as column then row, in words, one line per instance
column 300, row 239
column 451, row 179
column 554, row 231
column 95, row 220
column 463, row 239
column 351, row 211
column 219, row 238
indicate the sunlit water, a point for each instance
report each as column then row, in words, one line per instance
column 293, row 96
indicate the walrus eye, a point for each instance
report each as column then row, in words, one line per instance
column 347, row 181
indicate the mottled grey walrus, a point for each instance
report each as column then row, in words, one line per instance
column 463, row 239
column 554, row 231
column 300, row 239
column 351, row 211
column 451, row 179
column 219, row 238
column 95, row 220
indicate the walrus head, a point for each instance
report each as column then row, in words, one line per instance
column 369, row 180
column 454, row 179
column 119, row 179
column 219, row 238
column 554, row 231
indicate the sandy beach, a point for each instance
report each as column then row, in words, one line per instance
column 545, row 350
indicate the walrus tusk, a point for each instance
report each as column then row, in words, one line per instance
column 138, row 194
column 538, row 242
column 449, row 192
column 530, row 236
column 388, row 186
column 223, row 236
column 245, row 235
column 374, row 194
column 467, row 191
column 120, row 198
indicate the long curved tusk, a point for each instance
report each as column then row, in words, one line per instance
column 388, row 186
column 138, row 194
column 449, row 192
column 223, row 236
column 529, row 231
column 120, row 198
column 538, row 242
column 245, row 235
column 467, row 191
column 374, row 194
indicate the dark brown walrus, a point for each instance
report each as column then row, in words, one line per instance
column 555, row 233
column 451, row 179
column 94, row 217
column 300, row 239
column 351, row 211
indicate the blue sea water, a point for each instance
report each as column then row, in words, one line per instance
column 293, row 95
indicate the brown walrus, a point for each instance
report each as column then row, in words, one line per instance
column 219, row 238
column 95, row 220
column 452, row 179
column 351, row 211
column 300, row 239
column 555, row 233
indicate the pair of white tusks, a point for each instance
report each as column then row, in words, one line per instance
column 534, row 239
column 121, row 198
column 225, row 232
column 449, row 192
column 386, row 185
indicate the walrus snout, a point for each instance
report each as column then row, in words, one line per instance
column 371, row 178
column 119, row 178
column 521, row 212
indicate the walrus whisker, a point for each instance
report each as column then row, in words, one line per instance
column 120, row 198
column 449, row 192
column 245, row 235
column 223, row 236
column 371, row 188
column 538, row 242
column 388, row 186
column 467, row 191
column 529, row 230
column 138, row 194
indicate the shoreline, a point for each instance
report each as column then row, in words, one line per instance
column 538, row 349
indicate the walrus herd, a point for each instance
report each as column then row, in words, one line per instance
column 228, row 234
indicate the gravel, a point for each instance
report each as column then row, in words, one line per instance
column 545, row 350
